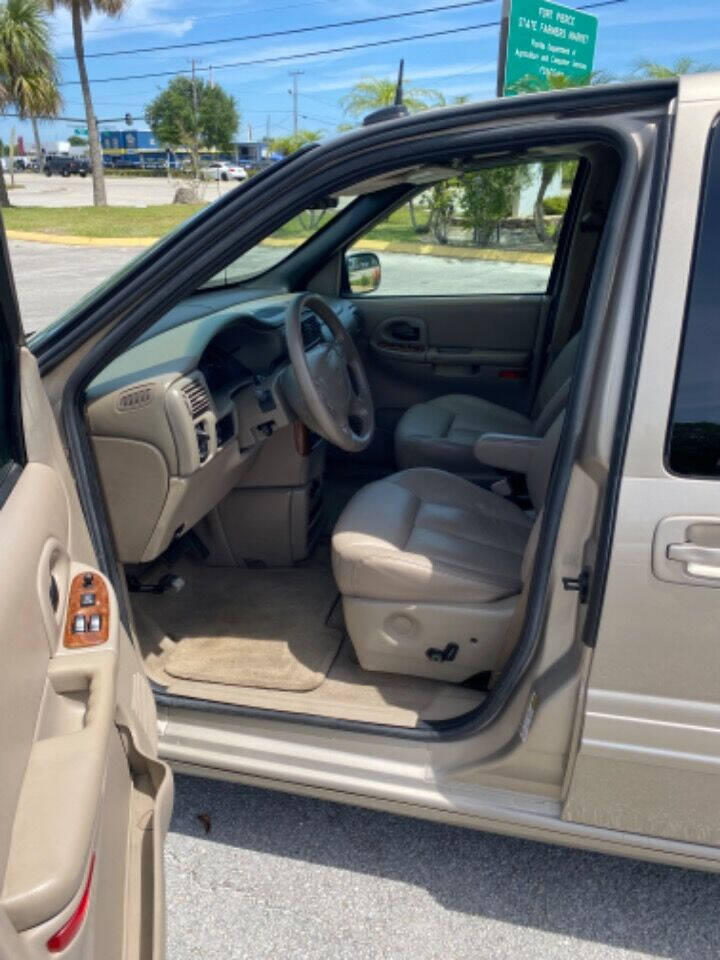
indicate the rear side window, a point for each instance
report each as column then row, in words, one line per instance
column 693, row 446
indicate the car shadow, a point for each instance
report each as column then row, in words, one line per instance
column 653, row 909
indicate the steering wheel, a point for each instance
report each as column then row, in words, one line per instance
column 326, row 386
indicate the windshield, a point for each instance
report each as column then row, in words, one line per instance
column 274, row 248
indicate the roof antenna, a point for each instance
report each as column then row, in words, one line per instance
column 396, row 110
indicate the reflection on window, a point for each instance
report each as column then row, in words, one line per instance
column 694, row 433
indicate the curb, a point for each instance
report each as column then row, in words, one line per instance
column 68, row 240
column 381, row 246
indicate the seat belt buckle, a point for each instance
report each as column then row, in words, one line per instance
column 501, row 487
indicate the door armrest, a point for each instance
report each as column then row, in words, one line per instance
column 506, row 451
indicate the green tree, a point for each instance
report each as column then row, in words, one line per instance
column 651, row 70
column 543, row 84
column 193, row 114
column 28, row 69
column 487, row 196
column 293, row 141
column 75, row 141
column 80, row 10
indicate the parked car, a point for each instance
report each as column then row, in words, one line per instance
column 66, row 166
column 525, row 539
column 23, row 163
column 221, row 170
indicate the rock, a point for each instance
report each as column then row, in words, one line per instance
column 185, row 195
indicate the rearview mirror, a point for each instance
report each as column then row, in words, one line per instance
column 364, row 272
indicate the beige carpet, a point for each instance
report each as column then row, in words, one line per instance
column 254, row 628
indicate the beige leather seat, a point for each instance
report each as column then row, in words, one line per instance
column 430, row 567
column 442, row 432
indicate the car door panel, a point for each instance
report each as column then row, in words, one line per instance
column 420, row 347
column 84, row 800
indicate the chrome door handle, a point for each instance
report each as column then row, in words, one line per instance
column 699, row 561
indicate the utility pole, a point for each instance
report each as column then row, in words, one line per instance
column 196, row 157
column 502, row 48
column 295, row 74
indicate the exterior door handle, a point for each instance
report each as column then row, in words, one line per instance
column 699, row 561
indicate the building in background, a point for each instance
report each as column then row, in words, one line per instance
column 131, row 148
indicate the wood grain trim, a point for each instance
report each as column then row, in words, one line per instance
column 100, row 607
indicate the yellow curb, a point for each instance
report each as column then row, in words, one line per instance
column 72, row 241
column 382, row 246
column 434, row 250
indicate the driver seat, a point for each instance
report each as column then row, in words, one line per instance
column 431, row 567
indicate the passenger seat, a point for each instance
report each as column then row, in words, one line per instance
column 442, row 433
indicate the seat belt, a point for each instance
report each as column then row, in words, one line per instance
column 567, row 314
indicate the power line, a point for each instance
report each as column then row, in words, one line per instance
column 327, row 51
column 287, row 33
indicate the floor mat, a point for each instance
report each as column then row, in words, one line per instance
column 269, row 628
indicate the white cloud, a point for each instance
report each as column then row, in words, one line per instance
column 142, row 17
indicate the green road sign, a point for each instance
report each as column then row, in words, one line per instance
column 546, row 38
column 81, row 131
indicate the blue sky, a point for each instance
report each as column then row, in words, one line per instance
column 660, row 30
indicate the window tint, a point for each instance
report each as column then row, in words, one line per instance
column 490, row 230
column 694, row 431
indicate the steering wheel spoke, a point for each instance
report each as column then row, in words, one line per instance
column 327, row 385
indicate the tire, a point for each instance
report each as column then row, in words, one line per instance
column 83, row 173
column 224, row 176
column 48, row 172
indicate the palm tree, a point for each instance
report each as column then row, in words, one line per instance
column 28, row 69
column 81, row 10
column 372, row 93
column 659, row 71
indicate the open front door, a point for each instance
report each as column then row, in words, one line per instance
column 84, row 801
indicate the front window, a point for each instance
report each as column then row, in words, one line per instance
column 489, row 230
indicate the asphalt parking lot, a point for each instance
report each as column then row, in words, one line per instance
column 50, row 278
column 34, row 189
column 282, row 876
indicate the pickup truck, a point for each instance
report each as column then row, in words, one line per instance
column 66, row 166
column 443, row 541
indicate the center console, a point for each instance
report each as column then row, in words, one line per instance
column 274, row 516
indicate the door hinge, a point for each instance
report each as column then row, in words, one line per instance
column 579, row 584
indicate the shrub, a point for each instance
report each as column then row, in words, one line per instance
column 555, row 205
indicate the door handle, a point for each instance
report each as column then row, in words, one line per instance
column 699, row 561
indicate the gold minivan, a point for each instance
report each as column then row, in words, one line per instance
column 382, row 480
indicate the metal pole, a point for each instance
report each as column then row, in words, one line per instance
column 295, row 74
column 502, row 48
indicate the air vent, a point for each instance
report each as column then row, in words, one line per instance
column 196, row 398
column 135, row 398
column 311, row 329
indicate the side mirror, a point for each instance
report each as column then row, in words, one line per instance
column 364, row 272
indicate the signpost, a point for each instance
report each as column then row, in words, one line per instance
column 540, row 38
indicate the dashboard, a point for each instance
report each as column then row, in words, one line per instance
column 179, row 417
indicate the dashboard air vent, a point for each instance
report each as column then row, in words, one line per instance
column 135, row 398
column 196, row 398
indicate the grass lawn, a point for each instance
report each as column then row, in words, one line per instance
column 397, row 227
column 100, row 221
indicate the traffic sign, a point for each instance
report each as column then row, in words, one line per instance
column 81, row 131
column 545, row 38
